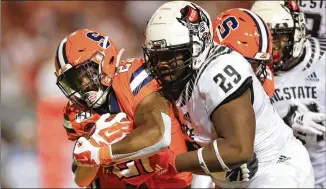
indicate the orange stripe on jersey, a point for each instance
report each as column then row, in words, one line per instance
column 132, row 84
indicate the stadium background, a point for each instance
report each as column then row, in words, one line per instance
column 34, row 149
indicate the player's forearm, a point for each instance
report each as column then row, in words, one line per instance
column 153, row 132
column 139, row 139
column 188, row 162
column 231, row 156
column 84, row 176
column 143, row 141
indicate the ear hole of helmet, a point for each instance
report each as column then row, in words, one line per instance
column 111, row 60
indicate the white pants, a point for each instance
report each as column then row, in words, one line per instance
column 201, row 181
column 319, row 166
column 292, row 170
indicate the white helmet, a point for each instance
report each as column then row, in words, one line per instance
column 284, row 18
column 177, row 27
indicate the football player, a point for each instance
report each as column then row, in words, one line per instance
column 299, row 69
column 225, row 109
column 241, row 40
column 90, row 74
column 245, row 40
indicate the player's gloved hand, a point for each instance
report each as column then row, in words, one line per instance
column 97, row 150
column 308, row 123
column 111, row 131
column 243, row 173
column 88, row 155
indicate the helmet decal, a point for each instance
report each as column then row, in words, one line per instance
column 195, row 20
column 99, row 38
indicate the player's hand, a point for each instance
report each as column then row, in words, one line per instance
column 97, row 150
column 112, row 130
column 308, row 123
column 243, row 173
column 89, row 155
column 85, row 154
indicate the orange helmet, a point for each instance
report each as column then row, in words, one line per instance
column 246, row 33
column 85, row 64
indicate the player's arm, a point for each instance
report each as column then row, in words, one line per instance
column 153, row 132
column 84, row 176
column 151, row 119
column 234, row 123
column 233, row 117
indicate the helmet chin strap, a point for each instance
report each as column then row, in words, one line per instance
column 119, row 57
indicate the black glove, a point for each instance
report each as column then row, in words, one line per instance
column 243, row 173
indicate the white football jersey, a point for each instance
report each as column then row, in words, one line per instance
column 315, row 13
column 303, row 89
column 222, row 77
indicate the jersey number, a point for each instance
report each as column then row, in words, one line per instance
column 224, row 29
column 313, row 21
column 132, row 168
column 98, row 38
column 122, row 69
column 229, row 72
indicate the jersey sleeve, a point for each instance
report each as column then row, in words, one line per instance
column 132, row 84
column 78, row 122
column 224, row 79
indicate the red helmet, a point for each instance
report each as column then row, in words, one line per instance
column 85, row 64
column 246, row 33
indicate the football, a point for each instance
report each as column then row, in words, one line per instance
column 89, row 129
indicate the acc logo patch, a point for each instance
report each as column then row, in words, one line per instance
column 82, row 116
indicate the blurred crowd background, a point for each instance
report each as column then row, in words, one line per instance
column 31, row 103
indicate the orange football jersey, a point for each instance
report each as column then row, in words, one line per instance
column 131, row 85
